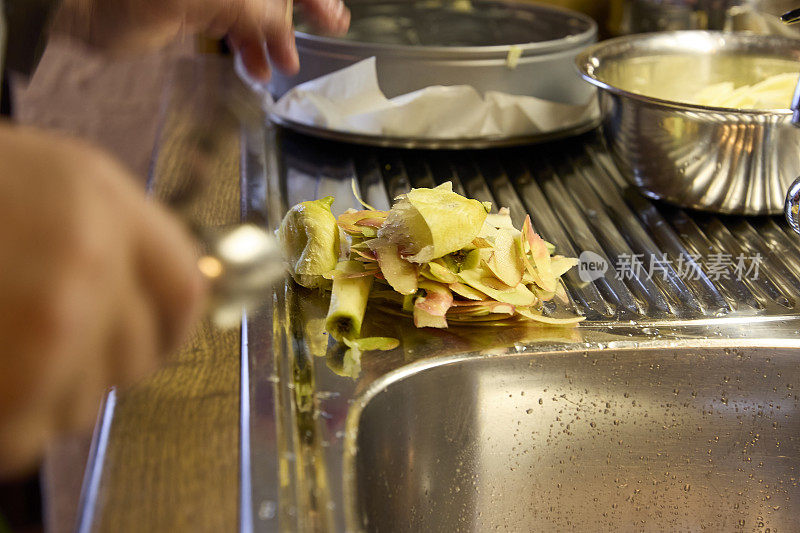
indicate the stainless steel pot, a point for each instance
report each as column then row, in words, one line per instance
column 523, row 49
column 715, row 159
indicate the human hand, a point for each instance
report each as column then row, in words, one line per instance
column 98, row 283
column 255, row 27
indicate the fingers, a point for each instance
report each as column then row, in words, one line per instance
column 253, row 54
column 134, row 344
column 22, row 442
column 154, row 251
column 92, row 294
column 167, row 268
column 157, row 259
column 270, row 22
column 329, row 16
column 264, row 32
column 283, row 52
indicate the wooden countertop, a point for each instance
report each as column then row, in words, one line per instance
column 171, row 460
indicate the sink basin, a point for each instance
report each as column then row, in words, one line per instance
column 617, row 439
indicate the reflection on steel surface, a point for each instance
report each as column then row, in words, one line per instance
column 792, row 207
column 452, row 430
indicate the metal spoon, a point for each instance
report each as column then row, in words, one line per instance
column 241, row 261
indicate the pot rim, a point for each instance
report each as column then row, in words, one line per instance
column 529, row 49
column 591, row 57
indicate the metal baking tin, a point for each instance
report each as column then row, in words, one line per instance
column 418, row 44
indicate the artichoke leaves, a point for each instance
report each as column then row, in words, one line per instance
column 309, row 237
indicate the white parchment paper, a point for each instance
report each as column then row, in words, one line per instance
column 350, row 100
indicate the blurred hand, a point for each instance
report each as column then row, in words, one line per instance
column 250, row 25
column 97, row 284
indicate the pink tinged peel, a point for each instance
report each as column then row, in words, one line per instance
column 523, row 251
column 399, row 273
column 350, row 220
column 430, row 310
column 372, row 222
column 541, row 257
column 367, row 255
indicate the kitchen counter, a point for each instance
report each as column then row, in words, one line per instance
column 171, row 457
column 165, row 455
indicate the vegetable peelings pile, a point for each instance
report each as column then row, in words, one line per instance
column 441, row 256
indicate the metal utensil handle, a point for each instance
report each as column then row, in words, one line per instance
column 791, row 207
column 241, row 262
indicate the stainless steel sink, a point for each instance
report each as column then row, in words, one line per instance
column 616, row 439
column 672, row 407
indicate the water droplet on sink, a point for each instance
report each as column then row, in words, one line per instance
column 267, row 509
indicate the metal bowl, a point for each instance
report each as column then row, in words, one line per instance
column 709, row 158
